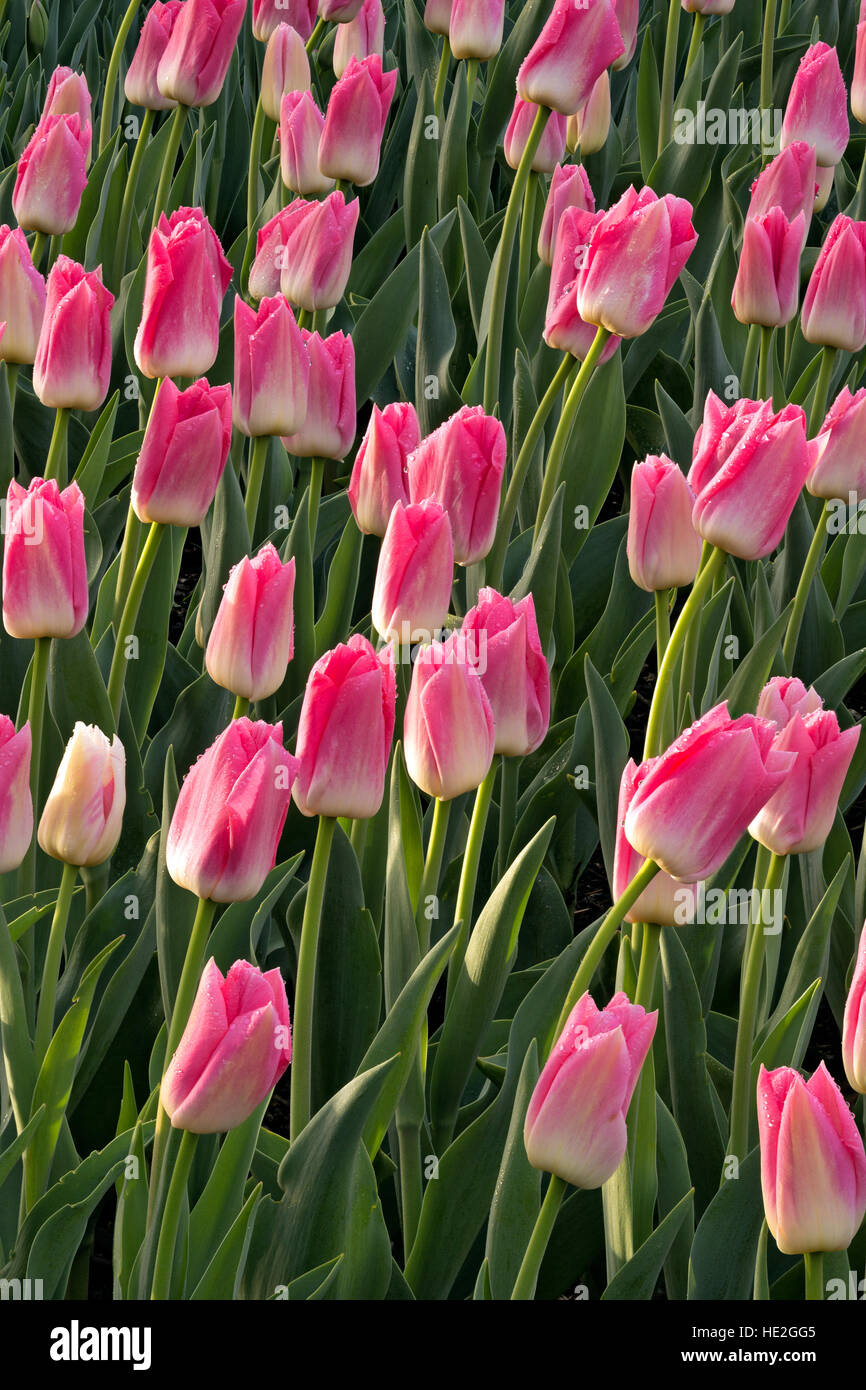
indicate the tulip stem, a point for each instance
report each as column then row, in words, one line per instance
column 318, row 30
column 15, row 1046
column 305, row 981
column 649, row 954
column 502, row 267
column 814, row 1268
column 255, row 162
column 105, row 120
column 432, row 869
column 822, row 390
column 55, row 464
column 784, row 13
column 469, row 878
column 524, row 1286
column 697, row 37
column 40, row 241
column 255, row 478
column 508, row 788
column 665, row 734
column 527, row 231
column 553, row 467
column 765, row 366
column 51, row 969
column 129, row 192
column 129, row 552
column 804, row 586
column 317, row 472
column 36, row 716
column 129, row 617
column 162, row 1270
column 178, row 118
column 669, row 73
column 750, row 358
column 442, row 77
column 242, row 707
column 767, row 60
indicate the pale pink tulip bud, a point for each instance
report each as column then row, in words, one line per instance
column 186, row 280
column 788, row 182
column 564, row 328
column 783, row 697
column 22, row 298
column 461, row 464
column 140, row 85
column 286, row 68
column 268, row 15
column 301, row 126
column 73, row 357
column 52, row 175
column 837, row 455
column 708, row 7
column 476, row 27
column 339, row 11
column 506, row 650
column 767, row 287
column 448, row 734
column 569, row 188
column 44, row 567
column 272, row 369
column 551, row 147
column 854, row 1023
column 664, row 901
column 317, row 252
column 16, row 803
column 580, row 39
column 817, row 109
column 834, row 310
column 799, row 816
column 858, row 83
column 267, row 267
column 415, row 573
column 69, row 95
column 360, row 37
column 437, row 16
column 252, row 639
column 193, row 67
column 355, row 121
column 83, row 815
column 588, row 129
column 328, row 430
column 183, row 453
column 663, row 547
column 379, row 477
column 627, row 16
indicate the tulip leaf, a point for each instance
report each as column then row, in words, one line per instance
column 225, row 541
column 673, row 1183
column 437, row 337
column 313, row 1286
column 422, row 163
column 212, row 1216
column 637, row 1279
column 11, row 1154
column 224, row 1272
column 201, row 713
column 726, row 1240
column 647, row 105
column 421, row 56
column 303, row 603
column 343, row 573
column 750, row 677
column 541, row 569
column 76, row 690
column 598, row 434
column 516, row 1198
column 611, row 755
column 453, row 172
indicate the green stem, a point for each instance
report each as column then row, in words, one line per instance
column 36, row 716
column 255, row 478
column 305, row 983
column 117, row 674
column 317, row 473
column 765, row 382
column 111, row 75
column 553, row 467
column 51, row 969
column 128, row 205
column 162, row 1270
column 814, row 1266
column 358, row 839
column 432, row 868
column 695, row 45
column 40, row 241
column 320, row 27
column 14, row 1033
column 242, row 707
column 178, row 118
column 442, row 77
column 508, row 787
column 129, row 553
column 801, row 598
column 524, row 1287
column 527, row 236
column 750, row 358
column 665, row 732
column 255, row 162
column 12, row 371
column 411, row 1185
column 471, row 79
column 767, row 57
column 55, row 464
column 649, row 954
column 469, row 877
column 822, row 390
column 669, row 72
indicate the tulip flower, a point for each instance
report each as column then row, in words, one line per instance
column 663, row 547
column 834, row 310
column 22, row 298
column 575, row 1124
column 634, row 257
column 817, row 109
column 267, row 267
column 69, row 95
column 183, row 453
column 767, row 287
column 286, row 68
column 783, row 697
column 328, row 431
column 415, row 573
column 788, row 182
column 837, row 455
column 73, row 356
column 187, row 277
column 236, row 1045
column 379, row 477
column 301, row 126
column 193, row 67
column 361, row 37
column 223, row 838
column 268, row 15
column 572, row 51
column 355, row 121
column 475, row 29
column 437, row 16
column 627, row 16
column 664, row 901
column 83, row 815
column 854, row 1023
column 252, row 639
column 16, row 802
column 513, row 670
column 589, row 127
column 813, row 1167
column 461, row 465
column 317, row 252
column 52, row 175
column 569, row 188
column 551, row 148
column 743, row 452
column 448, row 728
column 272, row 369
column 340, row 11
column 799, row 816
column 140, row 85
column 44, row 568
column 564, row 329
column 708, row 7
column 695, row 802
column 345, row 731
column 858, row 82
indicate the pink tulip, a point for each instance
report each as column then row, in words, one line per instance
column 476, row 28
column 813, row 1167
column 340, row 11
column 743, row 452
column 140, row 85
column 317, row 252
column 44, row 569
column 461, row 464
column 580, row 39
column 664, row 901
column 223, row 838
column 360, row 37
column 415, row 573
column 345, row 732
column 834, row 310
column 788, row 182
column 235, row 1047
column 663, row 547
column 783, row 697
column 448, row 734
column 328, row 430
column 627, row 16
column 16, row 803
column 437, row 16
column 69, row 95
column 551, row 148
column 73, row 357
column 858, row 82
column 569, row 188
column 193, row 67
column 837, row 455
column 564, row 329
column 589, row 127
column 575, row 1125
column 187, row 277
column 355, row 121
column 52, row 175
column 696, row 801
column 301, row 126
column 22, row 298
column 708, row 7
column 267, row 267
column 379, row 477
column 513, row 670
column 633, row 260
column 854, row 1023
column 268, row 15
column 183, row 453
column 286, row 68
column 252, row 639
column 272, row 369
column 767, row 287
column 83, row 816
column 799, row 816
column 817, row 109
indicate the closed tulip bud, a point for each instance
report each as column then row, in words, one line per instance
column 854, row 1023
column 588, row 129
column 415, row 573
column 580, row 39
column 140, row 85
column 834, row 310
column 340, row 11
column 268, row 15
column 69, row 95
column 345, row 732
column 183, row 453
column 767, row 287
column 22, row 298
column 272, row 369
column 379, row 477
column 461, row 464
column 328, row 431
column 355, row 121
column 44, row 567
column 564, row 329
column 235, row 1047
column 317, row 252
column 186, row 279
column 788, row 182
column 858, row 82
column 664, row 901
column 799, row 816
column 286, row 68
column 663, row 547
column 437, row 16
column 16, row 803
column 551, row 148
column 627, row 16
column 73, row 356
column 513, row 669
column 252, row 639
column 52, row 173
column 813, row 1167
column 448, row 727
column 223, row 838
column 633, row 260
column 569, row 188
column 267, row 267
column 817, row 109
column 576, row 1121
column 193, row 67
column 360, row 37
column 708, row 7
column 744, row 452
column 837, row 455
column 301, row 126
column 83, row 815
column 783, row 697
column 476, row 27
